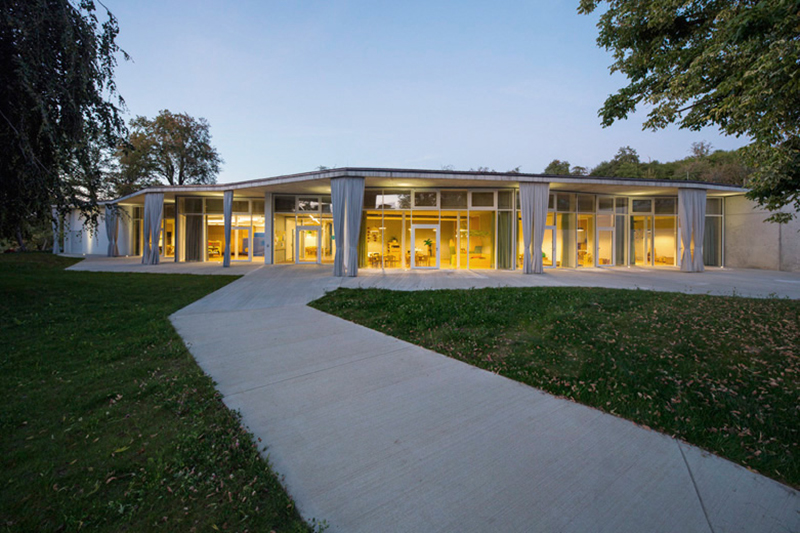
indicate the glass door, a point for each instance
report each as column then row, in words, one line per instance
column 605, row 240
column 240, row 244
column 308, row 244
column 425, row 246
column 641, row 240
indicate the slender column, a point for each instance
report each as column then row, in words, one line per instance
column 269, row 234
column 338, row 201
column 178, row 240
column 227, row 209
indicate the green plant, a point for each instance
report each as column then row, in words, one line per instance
column 719, row 372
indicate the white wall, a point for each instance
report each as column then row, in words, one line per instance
column 79, row 239
column 752, row 243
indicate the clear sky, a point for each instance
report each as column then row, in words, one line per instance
column 291, row 85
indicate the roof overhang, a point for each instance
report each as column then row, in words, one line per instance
column 319, row 182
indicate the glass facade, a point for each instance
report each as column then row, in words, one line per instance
column 448, row 229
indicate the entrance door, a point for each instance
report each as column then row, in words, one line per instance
column 642, row 240
column 308, row 244
column 605, row 240
column 240, row 244
column 425, row 246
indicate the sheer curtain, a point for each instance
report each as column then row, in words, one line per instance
column 692, row 215
column 347, row 197
column 153, row 211
column 355, row 203
column 112, row 228
column 533, row 203
column 541, row 192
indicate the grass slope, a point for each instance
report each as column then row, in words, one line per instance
column 107, row 422
column 722, row 373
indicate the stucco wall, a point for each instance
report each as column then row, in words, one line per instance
column 752, row 243
column 79, row 240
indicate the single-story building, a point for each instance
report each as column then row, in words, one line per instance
column 375, row 218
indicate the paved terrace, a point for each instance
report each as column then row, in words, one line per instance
column 375, row 434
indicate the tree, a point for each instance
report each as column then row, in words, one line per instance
column 175, row 148
column 625, row 164
column 732, row 64
column 579, row 171
column 557, row 168
column 58, row 108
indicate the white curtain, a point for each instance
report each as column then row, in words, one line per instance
column 692, row 216
column 355, row 203
column 526, row 195
column 338, row 200
column 347, row 196
column 153, row 210
column 541, row 193
column 533, row 204
column 227, row 210
column 268, row 228
column 112, row 228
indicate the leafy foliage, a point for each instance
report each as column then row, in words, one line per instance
column 722, row 373
column 107, row 422
column 58, row 107
column 733, row 64
column 173, row 147
column 557, row 167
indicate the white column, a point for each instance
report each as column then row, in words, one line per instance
column 338, row 201
column 227, row 210
column 269, row 234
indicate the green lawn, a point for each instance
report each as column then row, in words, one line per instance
column 108, row 424
column 719, row 372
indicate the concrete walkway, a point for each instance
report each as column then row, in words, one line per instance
column 375, row 434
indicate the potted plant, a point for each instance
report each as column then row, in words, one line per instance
column 429, row 244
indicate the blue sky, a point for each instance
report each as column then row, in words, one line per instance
column 291, row 85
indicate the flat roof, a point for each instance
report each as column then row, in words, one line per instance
column 318, row 182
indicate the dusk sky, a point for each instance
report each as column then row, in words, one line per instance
column 291, row 85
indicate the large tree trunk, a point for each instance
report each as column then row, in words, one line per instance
column 20, row 240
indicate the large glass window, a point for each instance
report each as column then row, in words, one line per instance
column 448, row 227
column 585, row 240
column 712, row 240
column 374, row 234
column 215, row 237
column 665, row 241
column 482, row 199
column 454, row 199
column 426, row 199
column 565, row 240
column 284, row 204
column 481, row 239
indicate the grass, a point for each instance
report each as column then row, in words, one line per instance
column 719, row 372
column 107, row 422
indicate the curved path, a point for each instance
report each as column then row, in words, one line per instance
column 375, row 434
